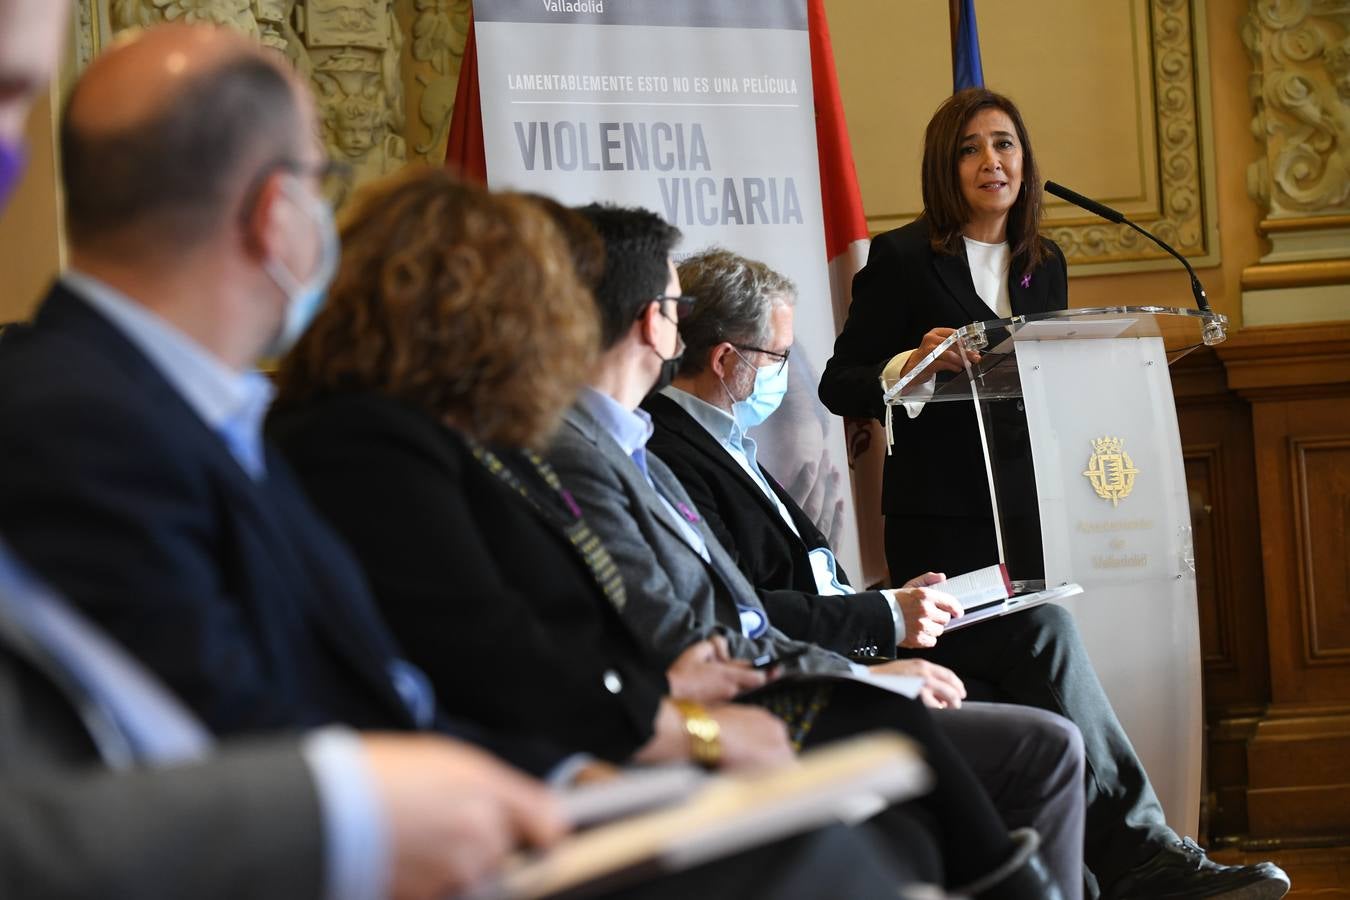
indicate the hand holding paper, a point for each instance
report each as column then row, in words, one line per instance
column 926, row 612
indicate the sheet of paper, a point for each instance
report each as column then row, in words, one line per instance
column 978, row 588
column 728, row 813
column 635, row 790
column 1013, row 605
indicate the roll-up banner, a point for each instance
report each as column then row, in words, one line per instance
column 701, row 111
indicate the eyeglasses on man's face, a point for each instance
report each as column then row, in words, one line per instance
column 781, row 358
column 684, row 305
column 332, row 176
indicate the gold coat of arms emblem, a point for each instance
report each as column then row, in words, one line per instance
column 1110, row 470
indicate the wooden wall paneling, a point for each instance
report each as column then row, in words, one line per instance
column 1298, row 382
column 1216, row 434
column 1306, row 587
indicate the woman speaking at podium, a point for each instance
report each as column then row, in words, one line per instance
column 974, row 254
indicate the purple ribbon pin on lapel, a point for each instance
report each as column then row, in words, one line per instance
column 685, row 511
column 571, row 503
column 1026, row 280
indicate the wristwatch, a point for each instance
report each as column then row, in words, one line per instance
column 705, row 735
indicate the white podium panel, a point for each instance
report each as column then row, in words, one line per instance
column 1115, row 519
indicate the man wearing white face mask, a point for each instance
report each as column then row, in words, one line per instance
column 734, row 376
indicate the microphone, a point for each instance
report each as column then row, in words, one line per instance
column 1111, row 215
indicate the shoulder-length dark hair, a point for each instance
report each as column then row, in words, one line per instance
column 457, row 301
column 944, row 205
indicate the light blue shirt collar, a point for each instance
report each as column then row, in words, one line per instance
column 231, row 403
column 727, row 432
column 724, row 428
column 630, row 428
column 717, row 422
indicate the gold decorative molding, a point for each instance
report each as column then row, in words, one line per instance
column 1305, row 223
column 1185, row 215
column 384, row 72
column 1300, row 88
column 1312, row 273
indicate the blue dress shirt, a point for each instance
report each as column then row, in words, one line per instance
column 232, row 403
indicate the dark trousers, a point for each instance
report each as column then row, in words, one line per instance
column 969, row 833
column 1036, row 658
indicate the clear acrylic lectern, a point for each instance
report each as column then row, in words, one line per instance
column 1089, row 389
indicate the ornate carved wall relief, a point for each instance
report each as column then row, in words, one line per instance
column 1300, row 90
column 384, row 72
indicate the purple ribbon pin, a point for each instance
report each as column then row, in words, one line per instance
column 571, row 503
column 1026, row 280
column 685, row 511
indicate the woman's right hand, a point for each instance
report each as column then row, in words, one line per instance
column 949, row 361
column 706, row 673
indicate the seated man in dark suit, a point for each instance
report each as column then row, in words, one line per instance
column 737, row 338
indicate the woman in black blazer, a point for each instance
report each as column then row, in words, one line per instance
column 974, row 254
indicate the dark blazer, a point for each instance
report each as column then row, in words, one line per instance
column 904, row 291
column 675, row 597
column 231, row 591
column 482, row 587
column 775, row 560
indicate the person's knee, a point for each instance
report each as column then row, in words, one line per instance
column 1050, row 747
column 1061, row 744
column 1051, row 618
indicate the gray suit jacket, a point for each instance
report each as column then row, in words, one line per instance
column 675, row 598
column 244, row 822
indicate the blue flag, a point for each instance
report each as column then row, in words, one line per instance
column 966, row 69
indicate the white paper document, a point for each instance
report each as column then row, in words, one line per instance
column 722, row 816
column 982, row 587
column 1012, row 605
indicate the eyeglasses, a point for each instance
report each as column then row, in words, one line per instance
column 684, row 305
column 333, row 176
column 772, row 354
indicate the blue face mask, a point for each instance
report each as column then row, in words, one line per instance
column 12, row 160
column 305, row 299
column 767, row 395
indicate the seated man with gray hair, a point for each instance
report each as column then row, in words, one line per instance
column 732, row 377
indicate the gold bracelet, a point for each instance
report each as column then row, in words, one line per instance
column 705, row 735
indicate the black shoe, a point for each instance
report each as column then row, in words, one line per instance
column 1183, row 870
column 1022, row 876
